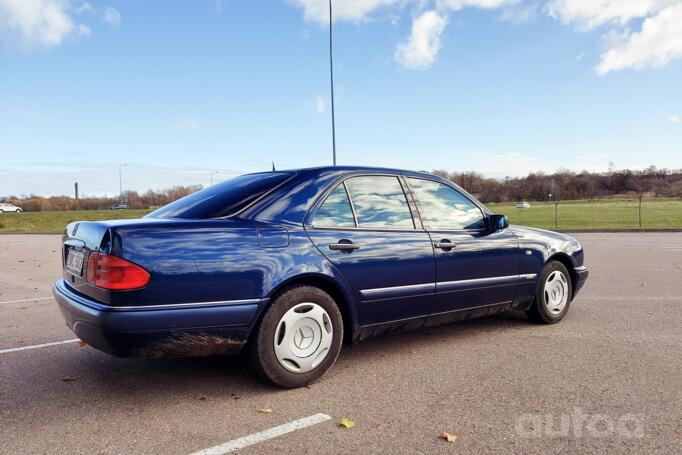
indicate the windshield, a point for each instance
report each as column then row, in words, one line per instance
column 223, row 199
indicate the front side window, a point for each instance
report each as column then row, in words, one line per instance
column 379, row 202
column 335, row 211
column 443, row 208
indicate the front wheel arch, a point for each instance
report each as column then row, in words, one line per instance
column 566, row 261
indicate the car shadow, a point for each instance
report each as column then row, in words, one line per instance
column 233, row 374
column 84, row 375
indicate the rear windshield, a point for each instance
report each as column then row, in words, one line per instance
column 223, row 199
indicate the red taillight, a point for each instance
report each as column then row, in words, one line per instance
column 111, row 272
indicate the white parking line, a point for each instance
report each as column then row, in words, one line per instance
column 264, row 435
column 26, row 300
column 36, row 346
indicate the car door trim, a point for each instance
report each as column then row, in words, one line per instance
column 392, row 292
column 446, row 286
column 449, row 286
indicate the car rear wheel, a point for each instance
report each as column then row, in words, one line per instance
column 553, row 295
column 299, row 338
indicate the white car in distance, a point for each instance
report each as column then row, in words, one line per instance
column 7, row 207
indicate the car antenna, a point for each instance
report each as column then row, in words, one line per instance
column 273, row 166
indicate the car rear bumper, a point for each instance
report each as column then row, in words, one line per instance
column 185, row 330
column 581, row 274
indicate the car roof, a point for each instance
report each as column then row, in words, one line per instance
column 345, row 169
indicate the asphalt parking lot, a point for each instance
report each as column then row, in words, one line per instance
column 607, row 379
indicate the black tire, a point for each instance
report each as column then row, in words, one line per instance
column 263, row 355
column 539, row 312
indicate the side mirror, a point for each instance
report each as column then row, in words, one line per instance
column 498, row 222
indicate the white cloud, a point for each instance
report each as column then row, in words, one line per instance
column 37, row 23
column 519, row 14
column 589, row 14
column 509, row 164
column 352, row 10
column 674, row 119
column 112, row 17
column 420, row 50
column 657, row 44
column 457, row 5
column 188, row 125
column 320, row 105
column 85, row 8
column 83, row 30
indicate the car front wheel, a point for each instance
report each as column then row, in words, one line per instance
column 299, row 338
column 553, row 295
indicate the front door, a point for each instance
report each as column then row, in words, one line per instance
column 474, row 267
column 365, row 227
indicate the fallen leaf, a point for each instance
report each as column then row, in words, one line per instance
column 412, row 353
column 449, row 437
column 265, row 410
column 82, row 343
column 643, row 284
column 68, row 379
column 346, row 423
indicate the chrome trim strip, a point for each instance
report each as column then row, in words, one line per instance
column 582, row 268
column 447, row 286
column 425, row 288
column 173, row 306
column 398, row 291
column 170, row 306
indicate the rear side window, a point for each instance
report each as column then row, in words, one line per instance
column 222, row 199
column 335, row 211
column 379, row 202
column 443, row 208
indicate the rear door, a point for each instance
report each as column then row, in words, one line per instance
column 366, row 228
column 474, row 267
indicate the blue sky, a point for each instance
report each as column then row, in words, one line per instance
column 179, row 89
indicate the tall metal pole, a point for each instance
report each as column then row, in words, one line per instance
column 331, row 77
column 120, row 183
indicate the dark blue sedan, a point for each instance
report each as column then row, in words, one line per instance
column 293, row 264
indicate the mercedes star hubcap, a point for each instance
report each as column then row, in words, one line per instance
column 556, row 293
column 303, row 337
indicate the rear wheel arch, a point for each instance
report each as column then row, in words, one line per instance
column 328, row 285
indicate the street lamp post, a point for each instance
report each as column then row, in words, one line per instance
column 120, row 183
column 331, row 79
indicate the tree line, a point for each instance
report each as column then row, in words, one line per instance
column 567, row 185
column 537, row 186
column 134, row 200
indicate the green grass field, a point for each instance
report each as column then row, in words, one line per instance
column 55, row 222
column 657, row 213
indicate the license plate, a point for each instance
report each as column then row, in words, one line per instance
column 74, row 262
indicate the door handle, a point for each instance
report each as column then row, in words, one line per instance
column 346, row 245
column 445, row 245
